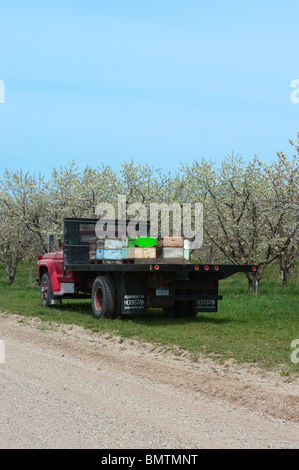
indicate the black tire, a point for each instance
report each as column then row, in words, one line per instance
column 46, row 293
column 103, row 297
column 191, row 310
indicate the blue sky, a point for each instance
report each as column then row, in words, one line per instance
column 159, row 82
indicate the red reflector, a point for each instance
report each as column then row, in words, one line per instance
column 156, row 267
column 207, row 268
column 196, row 268
column 151, row 267
column 39, row 257
column 216, row 268
column 254, row 268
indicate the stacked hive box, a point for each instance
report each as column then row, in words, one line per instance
column 139, row 250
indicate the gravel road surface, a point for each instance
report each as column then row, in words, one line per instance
column 63, row 387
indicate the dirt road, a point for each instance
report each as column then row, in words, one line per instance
column 64, row 387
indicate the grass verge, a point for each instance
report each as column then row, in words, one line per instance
column 249, row 329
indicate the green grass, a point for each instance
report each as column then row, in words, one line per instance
column 250, row 329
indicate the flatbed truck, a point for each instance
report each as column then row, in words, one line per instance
column 117, row 289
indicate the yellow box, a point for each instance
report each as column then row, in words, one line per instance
column 144, row 252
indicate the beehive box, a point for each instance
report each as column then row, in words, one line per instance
column 144, row 252
column 113, row 243
column 173, row 252
column 173, row 242
column 131, row 242
column 92, row 249
column 112, row 254
column 131, row 252
column 100, row 243
column 99, row 254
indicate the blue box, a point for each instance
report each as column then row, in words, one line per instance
column 99, row 254
column 113, row 254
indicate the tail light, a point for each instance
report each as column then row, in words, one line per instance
column 207, row 268
column 216, row 268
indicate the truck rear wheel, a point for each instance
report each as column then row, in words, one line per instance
column 103, row 297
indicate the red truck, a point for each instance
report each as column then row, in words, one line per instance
column 116, row 288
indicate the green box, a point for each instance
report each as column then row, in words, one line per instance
column 146, row 242
column 131, row 242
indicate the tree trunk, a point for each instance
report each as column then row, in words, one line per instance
column 12, row 274
column 282, row 280
column 253, row 283
column 254, row 279
column 11, row 269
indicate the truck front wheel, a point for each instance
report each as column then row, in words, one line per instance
column 103, row 297
column 46, row 293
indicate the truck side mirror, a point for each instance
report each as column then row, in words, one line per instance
column 50, row 243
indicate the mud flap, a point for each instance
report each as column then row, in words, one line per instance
column 134, row 293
